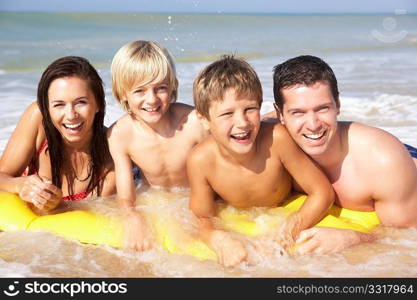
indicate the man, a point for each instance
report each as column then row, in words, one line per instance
column 369, row 168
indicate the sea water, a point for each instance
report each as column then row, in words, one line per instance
column 373, row 57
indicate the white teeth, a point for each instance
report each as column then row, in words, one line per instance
column 241, row 135
column 151, row 109
column 72, row 126
column 314, row 136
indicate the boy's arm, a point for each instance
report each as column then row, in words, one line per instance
column 229, row 251
column 137, row 233
column 125, row 186
column 320, row 194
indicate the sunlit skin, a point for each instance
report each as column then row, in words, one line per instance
column 312, row 124
column 72, row 108
column 249, row 164
column 234, row 124
column 149, row 103
column 156, row 136
column 369, row 168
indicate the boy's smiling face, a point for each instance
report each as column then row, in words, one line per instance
column 234, row 122
column 149, row 102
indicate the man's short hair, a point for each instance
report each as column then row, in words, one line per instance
column 141, row 63
column 228, row 72
column 305, row 70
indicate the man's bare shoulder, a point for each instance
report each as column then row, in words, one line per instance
column 374, row 144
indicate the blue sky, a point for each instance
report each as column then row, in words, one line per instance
column 213, row 6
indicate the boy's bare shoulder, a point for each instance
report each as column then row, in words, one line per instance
column 120, row 129
column 186, row 117
column 204, row 152
column 276, row 131
column 181, row 110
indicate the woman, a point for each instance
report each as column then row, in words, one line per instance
column 59, row 149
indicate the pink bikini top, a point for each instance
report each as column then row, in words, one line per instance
column 32, row 169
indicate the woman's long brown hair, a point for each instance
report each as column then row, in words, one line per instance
column 74, row 66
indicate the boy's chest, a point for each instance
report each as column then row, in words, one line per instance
column 246, row 188
column 159, row 156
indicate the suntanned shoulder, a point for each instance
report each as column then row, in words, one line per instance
column 32, row 115
column 33, row 110
column 32, row 118
column 202, row 153
column 181, row 110
column 279, row 132
column 380, row 145
column 120, row 130
column 187, row 115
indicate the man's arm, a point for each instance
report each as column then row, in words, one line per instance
column 391, row 174
column 394, row 182
column 229, row 251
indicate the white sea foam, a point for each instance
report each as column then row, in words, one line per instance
column 377, row 85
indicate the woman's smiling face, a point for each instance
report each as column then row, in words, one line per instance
column 72, row 107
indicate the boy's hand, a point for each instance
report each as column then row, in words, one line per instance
column 289, row 231
column 230, row 252
column 40, row 191
column 138, row 234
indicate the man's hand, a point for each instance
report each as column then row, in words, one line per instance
column 321, row 240
column 230, row 252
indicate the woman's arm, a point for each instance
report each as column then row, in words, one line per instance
column 23, row 145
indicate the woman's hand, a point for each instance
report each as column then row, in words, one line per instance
column 40, row 191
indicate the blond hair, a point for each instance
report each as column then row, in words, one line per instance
column 141, row 63
column 226, row 73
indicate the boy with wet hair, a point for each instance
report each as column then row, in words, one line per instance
column 245, row 162
column 370, row 169
column 156, row 134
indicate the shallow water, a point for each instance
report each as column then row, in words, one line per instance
column 377, row 81
column 41, row 254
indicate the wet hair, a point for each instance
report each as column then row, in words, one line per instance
column 305, row 70
column 226, row 73
column 140, row 63
column 74, row 66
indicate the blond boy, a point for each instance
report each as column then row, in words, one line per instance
column 155, row 134
column 245, row 162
